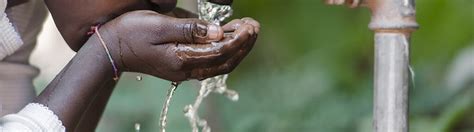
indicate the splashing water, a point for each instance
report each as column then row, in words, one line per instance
column 213, row 13
column 216, row 13
column 217, row 86
column 164, row 111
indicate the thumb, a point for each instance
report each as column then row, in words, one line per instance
column 190, row 31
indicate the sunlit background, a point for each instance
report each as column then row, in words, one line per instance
column 310, row 71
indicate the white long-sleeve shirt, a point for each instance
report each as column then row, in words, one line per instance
column 10, row 40
column 33, row 118
column 16, row 71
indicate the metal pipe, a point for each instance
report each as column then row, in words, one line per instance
column 391, row 83
column 393, row 21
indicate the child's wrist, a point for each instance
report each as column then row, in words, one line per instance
column 94, row 46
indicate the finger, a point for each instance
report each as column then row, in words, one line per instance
column 236, row 23
column 194, row 56
column 203, row 73
column 237, row 39
column 227, row 46
column 207, row 55
column 252, row 22
column 244, row 50
column 188, row 31
column 232, row 25
column 225, row 68
column 222, row 2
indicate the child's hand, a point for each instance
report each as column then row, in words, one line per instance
column 177, row 49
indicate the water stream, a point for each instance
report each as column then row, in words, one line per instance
column 213, row 13
column 166, row 105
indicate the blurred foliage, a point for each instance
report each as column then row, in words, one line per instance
column 311, row 70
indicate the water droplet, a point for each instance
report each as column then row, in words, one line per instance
column 137, row 127
column 232, row 95
column 139, row 78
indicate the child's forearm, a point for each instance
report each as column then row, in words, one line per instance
column 76, row 86
column 91, row 117
column 12, row 3
column 73, row 18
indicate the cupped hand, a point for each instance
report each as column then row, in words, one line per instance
column 177, row 49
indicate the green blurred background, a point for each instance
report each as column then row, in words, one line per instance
column 312, row 70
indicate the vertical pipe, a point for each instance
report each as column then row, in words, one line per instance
column 392, row 21
column 391, row 83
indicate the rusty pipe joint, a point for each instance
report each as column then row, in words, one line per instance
column 393, row 15
column 386, row 14
column 350, row 3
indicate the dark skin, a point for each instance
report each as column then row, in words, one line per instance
column 12, row 3
column 73, row 90
column 91, row 117
column 74, row 17
column 140, row 41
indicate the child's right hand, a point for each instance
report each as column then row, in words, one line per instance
column 177, row 49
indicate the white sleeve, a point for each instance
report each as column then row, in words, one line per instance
column 10, row 40
column 33, row 118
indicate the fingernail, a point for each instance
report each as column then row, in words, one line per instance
column 250, row 29
column 214, row 32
